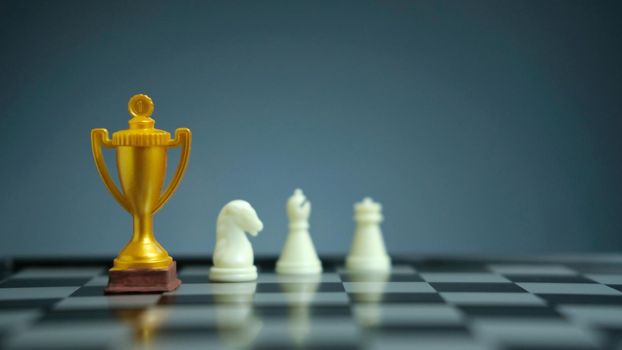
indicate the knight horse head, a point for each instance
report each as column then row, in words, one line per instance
column 233, row 249
column 238, row 214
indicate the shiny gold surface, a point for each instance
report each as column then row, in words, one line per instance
column 141, row 163
column 140, row 106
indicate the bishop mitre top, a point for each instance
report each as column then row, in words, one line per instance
column 298, row 211
column 298, row 255
column 368, row 252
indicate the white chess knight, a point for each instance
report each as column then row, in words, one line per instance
column 233, row 254
column 298, row 255
column 368, row 252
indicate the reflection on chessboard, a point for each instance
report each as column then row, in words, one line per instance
column 439, row 304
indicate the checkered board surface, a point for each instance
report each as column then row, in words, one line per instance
column 421, row 304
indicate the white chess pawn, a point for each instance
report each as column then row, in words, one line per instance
column 298, row 255
column 368, row 252
column 233, row 254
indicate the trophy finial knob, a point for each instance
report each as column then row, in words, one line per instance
column 141, row 108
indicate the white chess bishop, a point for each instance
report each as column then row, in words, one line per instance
column 233, row 256
column 368, row 252
column 298, row 255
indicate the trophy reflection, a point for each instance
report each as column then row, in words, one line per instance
column 143, row 265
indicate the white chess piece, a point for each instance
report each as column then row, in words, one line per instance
column 368, row 252
column 298, row 255
column 233, row 254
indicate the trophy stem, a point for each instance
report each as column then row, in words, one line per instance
column 143, row 228
column 142, row 251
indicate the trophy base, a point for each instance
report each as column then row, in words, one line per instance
column 143, row 280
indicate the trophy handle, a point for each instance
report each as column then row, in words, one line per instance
column 183, row 137
column 99, row 138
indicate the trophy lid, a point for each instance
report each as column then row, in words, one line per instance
column 141, row 131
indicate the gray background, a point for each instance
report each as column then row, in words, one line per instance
column 482, row 127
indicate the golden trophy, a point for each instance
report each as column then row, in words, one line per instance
column 143, row 265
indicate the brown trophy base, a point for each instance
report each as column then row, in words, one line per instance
column 143, row 280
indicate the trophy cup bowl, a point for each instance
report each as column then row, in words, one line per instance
column 143, row 265
column 141, row 174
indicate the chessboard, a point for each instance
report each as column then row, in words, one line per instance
column 433, row 303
